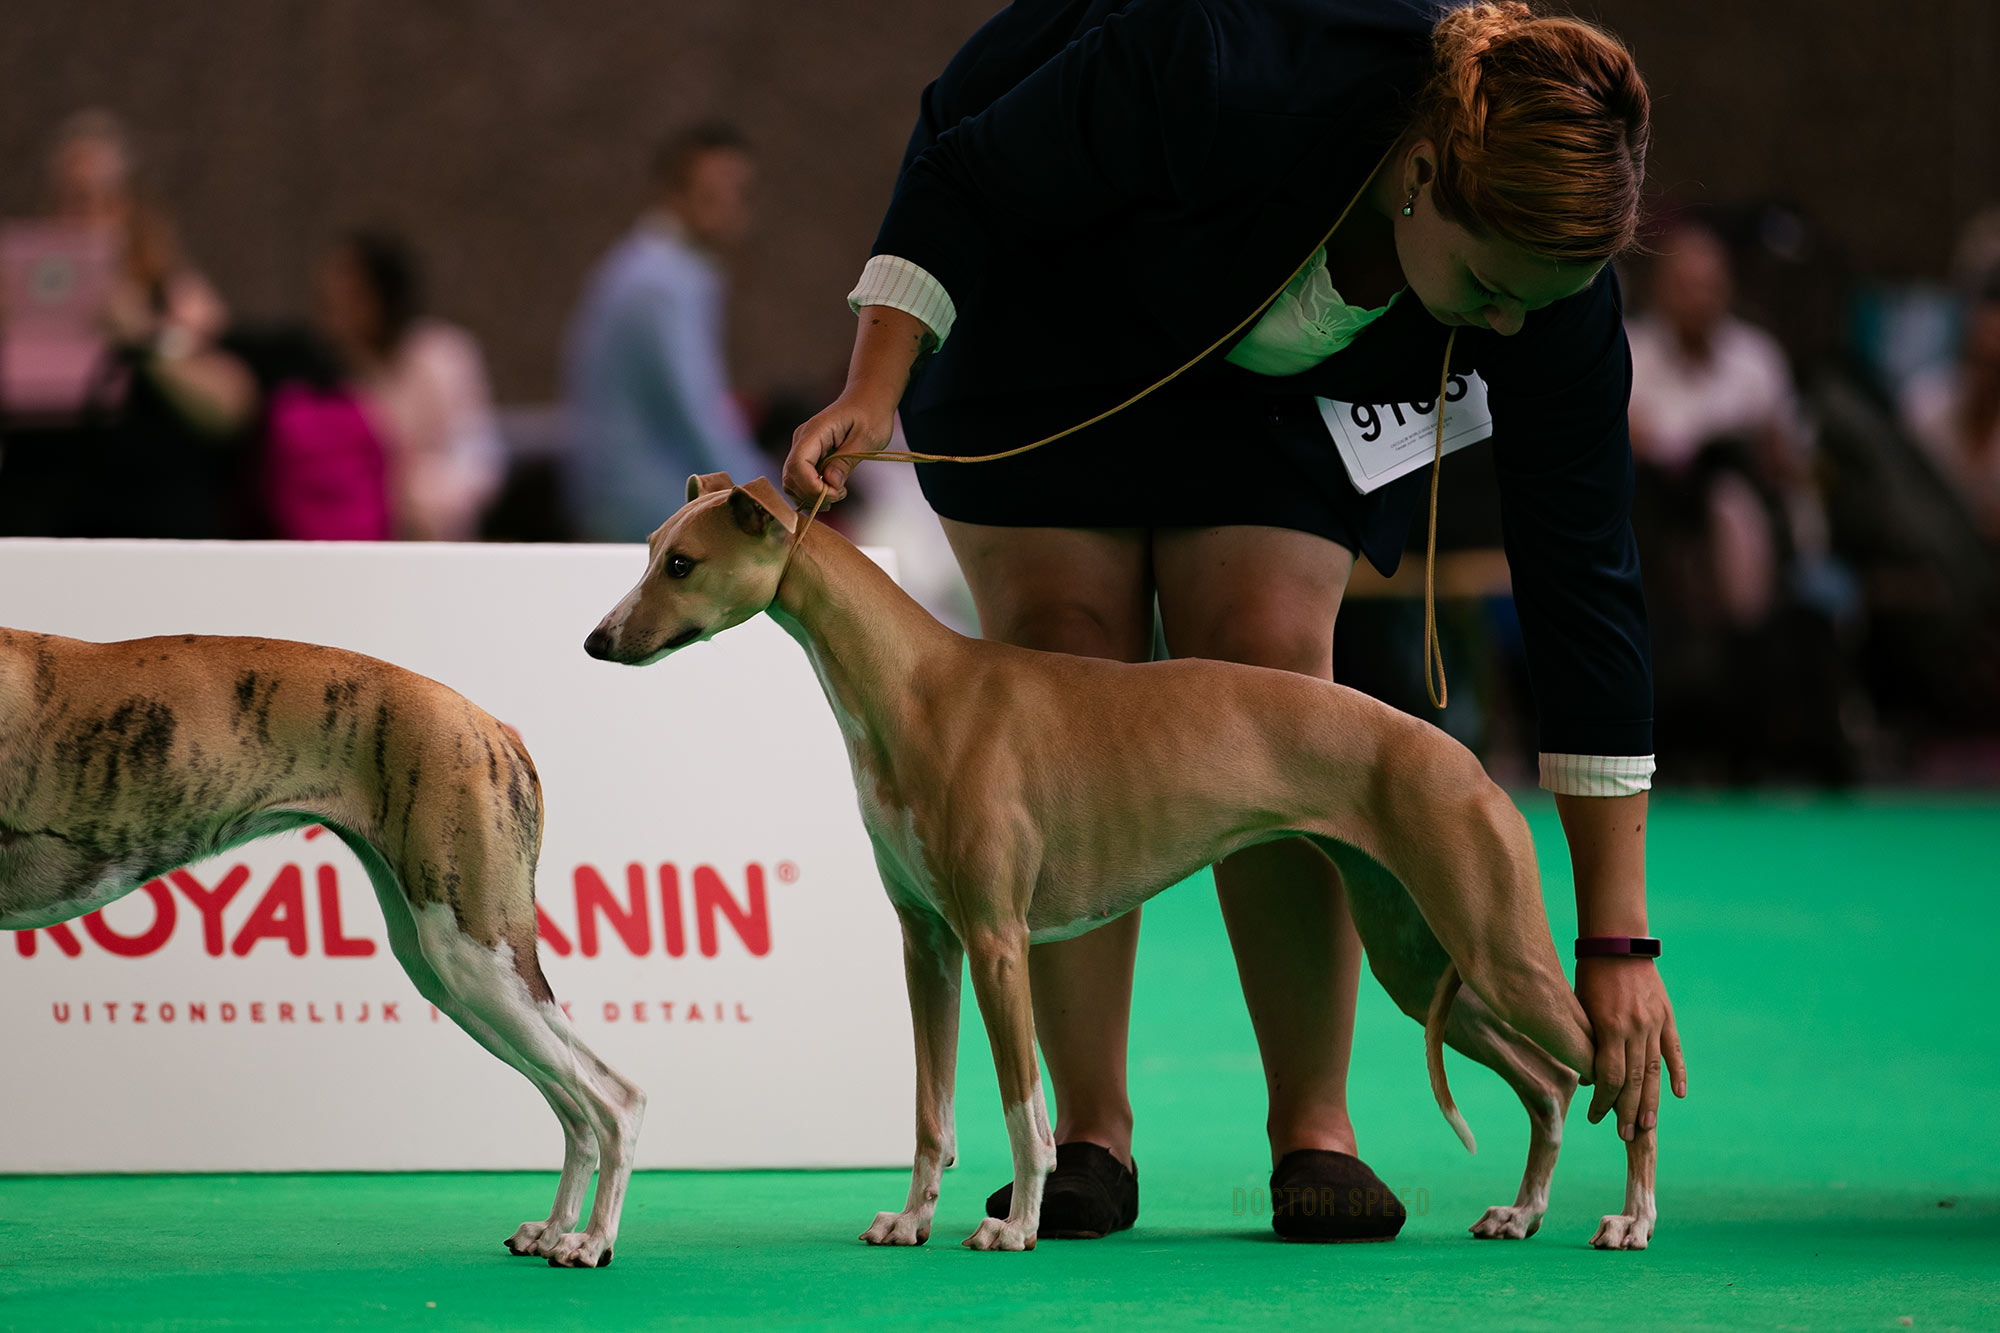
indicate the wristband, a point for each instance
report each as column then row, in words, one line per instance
column 1617, row 946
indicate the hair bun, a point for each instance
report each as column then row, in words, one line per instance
column 1464, row 34
column 1540, row 126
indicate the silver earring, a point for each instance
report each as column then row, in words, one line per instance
column 1410, row 205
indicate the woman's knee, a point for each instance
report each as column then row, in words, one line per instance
column 1260, row 632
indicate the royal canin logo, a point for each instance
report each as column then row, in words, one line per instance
column 655, row 896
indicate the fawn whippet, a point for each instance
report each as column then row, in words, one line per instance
column 1016, row 796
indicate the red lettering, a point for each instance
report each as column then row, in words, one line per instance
column 638, row 1011
column 753, row 926
column 285, row 1013
column 694, row 1013
column 136, row 946
column 670, row 911
column 61, row 1011
column 338, row 1016
column 312, row 1014
column 257, row 1011
column 228, row 1012
column 741, row 1017
column 631, row 922
column 210, row 902
column 111, row 1013
column 550, row 933
column 564, row 1006
column 389, row 1013
column 138, row 1011
column 666, row 1011
column 279, row 915
column 166, row 1012
column 610, row 1012
column 337, row 944
column 65, row 938
column 364, row 1015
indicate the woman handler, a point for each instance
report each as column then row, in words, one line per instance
column 1097, row 190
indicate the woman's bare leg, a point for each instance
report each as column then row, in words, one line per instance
column 1087, row 592
column 1268, row 597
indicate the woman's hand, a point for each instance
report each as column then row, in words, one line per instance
column 858, row 422
column 1632, row 1022
column 886, row 344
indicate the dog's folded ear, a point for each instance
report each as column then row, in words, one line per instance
column 759, row 510
column 707, row 483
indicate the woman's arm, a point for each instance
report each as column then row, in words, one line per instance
column 886, row 344
column 1559, row 390
column 1631, row 1018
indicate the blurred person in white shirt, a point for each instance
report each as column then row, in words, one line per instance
column 1954, row 412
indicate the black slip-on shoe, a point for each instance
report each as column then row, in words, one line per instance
column 1088, row 1196
column 1332, row 1197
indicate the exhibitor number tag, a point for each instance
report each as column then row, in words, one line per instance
column 1380, row 442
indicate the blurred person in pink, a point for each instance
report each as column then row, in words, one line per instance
column 147, row 446
column 1954, row 413
column 423, row 383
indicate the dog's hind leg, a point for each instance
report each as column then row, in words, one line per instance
column 932, row 961
column 1544, row 1087
column 580, row 1147
column 489, row 983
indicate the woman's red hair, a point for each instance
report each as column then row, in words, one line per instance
column 1540, row 126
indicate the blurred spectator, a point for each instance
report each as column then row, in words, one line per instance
column 1745, row 596
column 648, row 392
column 423, row 382
column 1955, row 413
column 145, row 446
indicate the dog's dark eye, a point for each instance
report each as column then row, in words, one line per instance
column 679, row 566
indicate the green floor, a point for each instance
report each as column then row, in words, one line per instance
column 1835, row 1167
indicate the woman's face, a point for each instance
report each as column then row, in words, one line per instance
column 1470, row 281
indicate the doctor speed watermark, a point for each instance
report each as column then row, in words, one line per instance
column 1327, row 1201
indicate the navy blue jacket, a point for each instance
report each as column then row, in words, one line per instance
column 1165, row 165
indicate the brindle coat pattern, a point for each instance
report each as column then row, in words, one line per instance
column 122, row 761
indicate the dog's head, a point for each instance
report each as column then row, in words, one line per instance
column 709, row 568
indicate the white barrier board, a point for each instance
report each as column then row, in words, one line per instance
column 712, row 917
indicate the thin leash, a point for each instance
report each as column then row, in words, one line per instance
column 1433, row 652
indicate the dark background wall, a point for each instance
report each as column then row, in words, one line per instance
column 505, row 137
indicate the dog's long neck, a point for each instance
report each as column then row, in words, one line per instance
column 867, row 639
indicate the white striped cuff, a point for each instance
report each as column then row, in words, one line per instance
column 1597, row 774
column 901, row 285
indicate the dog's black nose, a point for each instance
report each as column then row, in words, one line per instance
column 598, row 645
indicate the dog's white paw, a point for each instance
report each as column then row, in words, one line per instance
column 1508, row 1222
column 580, row 1249
column 535, row 1238
column 898, row 1229
column 1620, row 1231
column 1001, row 1234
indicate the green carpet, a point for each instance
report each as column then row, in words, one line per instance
column 1834, row 1167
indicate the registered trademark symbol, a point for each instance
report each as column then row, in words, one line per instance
column 788, row 872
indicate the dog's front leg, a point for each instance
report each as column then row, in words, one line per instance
column 1633, row 1228
column 932, row 962
column 999, row 958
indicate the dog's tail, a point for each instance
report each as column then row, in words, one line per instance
column 1434, row 1021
